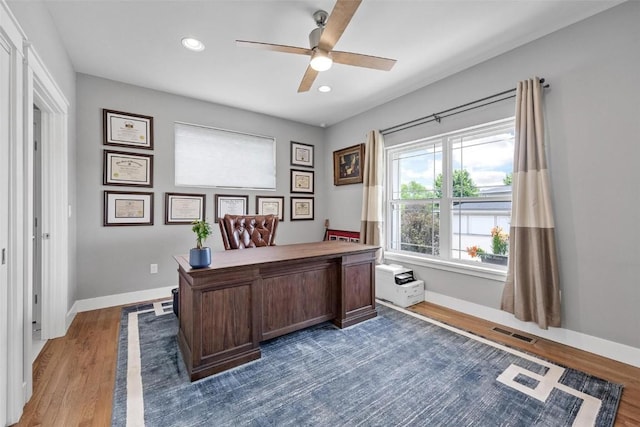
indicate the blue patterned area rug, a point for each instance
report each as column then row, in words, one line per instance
column 397, row 369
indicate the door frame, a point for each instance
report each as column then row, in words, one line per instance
column 42, row 91
column 5, row 45
column 12, row 392
column 56, row 211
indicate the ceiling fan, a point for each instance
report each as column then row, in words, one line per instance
column 322, row 41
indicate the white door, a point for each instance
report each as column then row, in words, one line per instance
column 5, row 99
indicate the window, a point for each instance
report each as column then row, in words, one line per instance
column 210, row 157
column 450, row 195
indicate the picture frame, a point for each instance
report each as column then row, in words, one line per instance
column 130, row 169
column 301, row 154
column 230, row 204
column 302, row 208
column 348, row 165
column 184, row 208
column 343, row 235
column 302, row 181
column 274, row 205
column 127, row 208
column 127, row 129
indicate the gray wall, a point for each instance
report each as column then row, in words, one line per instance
column 593, row 123
column 37, row 24
column 114, row 260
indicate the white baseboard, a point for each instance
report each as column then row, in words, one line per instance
column 620, row 352
column 121, row 299
column 71, row 314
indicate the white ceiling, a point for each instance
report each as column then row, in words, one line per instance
column 138, row 42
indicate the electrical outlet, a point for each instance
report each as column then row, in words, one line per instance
column 153, row 268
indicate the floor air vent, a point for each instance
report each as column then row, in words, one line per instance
column 514, row 335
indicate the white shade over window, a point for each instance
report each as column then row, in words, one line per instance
column 210, row 157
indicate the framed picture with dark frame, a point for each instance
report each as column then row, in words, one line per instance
column 301, row 181
column 301, row 154
column 301, row 208
column 127, row 208
column 130, row 169
column 231, row 204
column 347, row 165
column 270, row 205
column 127, row 129
column 183, row 208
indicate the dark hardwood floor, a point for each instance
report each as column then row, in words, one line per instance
column 74, row 375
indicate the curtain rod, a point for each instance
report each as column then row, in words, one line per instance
column 437, row 117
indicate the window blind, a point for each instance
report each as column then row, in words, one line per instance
column 211, row 157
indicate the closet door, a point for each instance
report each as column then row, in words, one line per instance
column 5, row 115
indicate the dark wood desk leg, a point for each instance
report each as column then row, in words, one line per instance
column 356, row 290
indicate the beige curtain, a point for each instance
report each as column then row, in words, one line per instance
column 532, row 290
column 371, row 228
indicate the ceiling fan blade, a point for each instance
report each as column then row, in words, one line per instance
column 359, row 60
column 275, row 47
column 340, row 17
column 308, row 79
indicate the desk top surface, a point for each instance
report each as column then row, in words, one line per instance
column 270, row 254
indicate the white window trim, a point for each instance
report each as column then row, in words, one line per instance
column 427, row 261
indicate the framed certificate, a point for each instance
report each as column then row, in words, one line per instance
column 301, row 154
column 301, row 181
column 301, row 208
column 270, row 205
column 232, row 205
column 183, row 208
column 127, row 208
column 128, row 169
column 127, row 130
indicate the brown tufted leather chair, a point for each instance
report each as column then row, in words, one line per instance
column 248, row 231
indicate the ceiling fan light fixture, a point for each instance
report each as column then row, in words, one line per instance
column 321, row 60
column 193, row 44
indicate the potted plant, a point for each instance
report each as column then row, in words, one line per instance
column 200, row 256
column 499, row 247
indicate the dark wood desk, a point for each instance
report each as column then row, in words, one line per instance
column 251, row 295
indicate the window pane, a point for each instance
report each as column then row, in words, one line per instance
column 416, row 171
column 482, row 163
column 417, row 228
column 486, row 232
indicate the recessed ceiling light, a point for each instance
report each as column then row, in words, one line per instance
column 193, row 44
column 324, row 88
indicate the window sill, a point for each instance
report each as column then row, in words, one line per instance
column 470, row 270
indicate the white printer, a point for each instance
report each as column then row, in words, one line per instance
column 396, row 284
